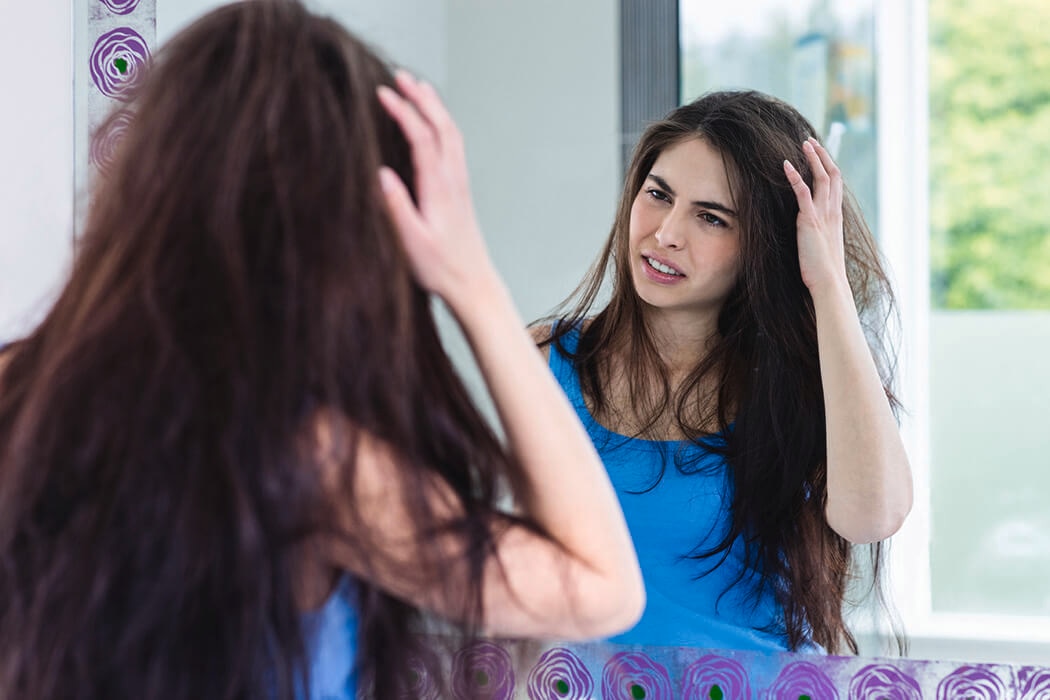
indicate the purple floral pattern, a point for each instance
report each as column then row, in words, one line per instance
column 971, row 683
column 1036, row 684
column 715, row 678
column 883, row 682
column 120, row 7
column 560, row 675
column 802, row 679
column 632, row 675
column 104, row 142
column 482, row 671
column 119, row 58
column 425, row 670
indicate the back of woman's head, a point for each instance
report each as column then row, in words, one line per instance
column 237, row 277
column 244, row 196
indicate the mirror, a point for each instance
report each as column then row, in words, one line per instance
column 535, row 86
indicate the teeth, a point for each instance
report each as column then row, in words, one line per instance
column 661, row 267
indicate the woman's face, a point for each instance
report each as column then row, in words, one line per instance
column 684, row 232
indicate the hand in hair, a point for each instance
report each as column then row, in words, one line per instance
column 578, row 577
column 821, row 253
column 869, row 485
column 441, row 234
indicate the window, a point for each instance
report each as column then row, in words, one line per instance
column 949, row 167
column 990, row 307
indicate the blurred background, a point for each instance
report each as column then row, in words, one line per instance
column 940, row 112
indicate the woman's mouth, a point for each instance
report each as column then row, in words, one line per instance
column 662, row 268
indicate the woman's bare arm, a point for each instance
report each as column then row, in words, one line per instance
column 582, row 580
column 869, row 476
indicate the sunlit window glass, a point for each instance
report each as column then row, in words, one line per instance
column 990, row 294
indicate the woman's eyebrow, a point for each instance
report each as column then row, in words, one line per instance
column 703, row 204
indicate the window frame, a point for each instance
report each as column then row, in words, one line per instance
column 902, row 54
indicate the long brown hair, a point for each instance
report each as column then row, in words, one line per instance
column 237, row 275
column 768, row 400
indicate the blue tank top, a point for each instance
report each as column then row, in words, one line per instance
column 331, row 635
column 676, row 497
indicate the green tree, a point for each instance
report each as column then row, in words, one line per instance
column 990, row 154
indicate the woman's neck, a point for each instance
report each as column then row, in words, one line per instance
column 635, row 401
column 682, row 339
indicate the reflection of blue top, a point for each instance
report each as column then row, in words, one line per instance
column 673, row 511
column 331, row 636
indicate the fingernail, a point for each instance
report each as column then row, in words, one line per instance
column 787, row 163
column 386, row 176
column 807, row 145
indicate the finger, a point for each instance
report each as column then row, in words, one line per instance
column 833, row 171
column 399, row 204
column 436, row 111
column 421, row 98
column 821, row 181
column 415, row 128
column 426, row 100
column 418, row 133
column 802, row 193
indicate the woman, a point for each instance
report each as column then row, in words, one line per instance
column 728, row 384
column 235, row 461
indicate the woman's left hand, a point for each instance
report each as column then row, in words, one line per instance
column 821, row 251
column 869, row 487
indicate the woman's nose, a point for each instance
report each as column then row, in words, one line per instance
column 668, row 235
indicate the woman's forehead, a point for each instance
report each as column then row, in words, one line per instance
column 694, row 169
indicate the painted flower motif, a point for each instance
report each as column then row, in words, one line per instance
column 631, row 675
column 883, row 682
column 1037, row 684
column 715, row 678
column 118, row 60
column 560, row 674
column 120, row 7
column 104, row 142
column 971, row 683
column 802, row 680
column 482, row 671
column 424, row 679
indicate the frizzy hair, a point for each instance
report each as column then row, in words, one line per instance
column 237, row 277
column 767, row 399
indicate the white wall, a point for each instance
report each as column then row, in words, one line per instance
column 534, row 85
column 410, row 32
column 36, row 161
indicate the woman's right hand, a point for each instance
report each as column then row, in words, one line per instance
column 581, row 578
column 439, row 231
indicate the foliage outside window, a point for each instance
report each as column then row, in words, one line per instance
column 989, row 154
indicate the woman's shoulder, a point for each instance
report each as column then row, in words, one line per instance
column 541, row 332
column 550, row 330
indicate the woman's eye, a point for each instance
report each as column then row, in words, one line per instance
column 711, row 219
column 658, row 195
